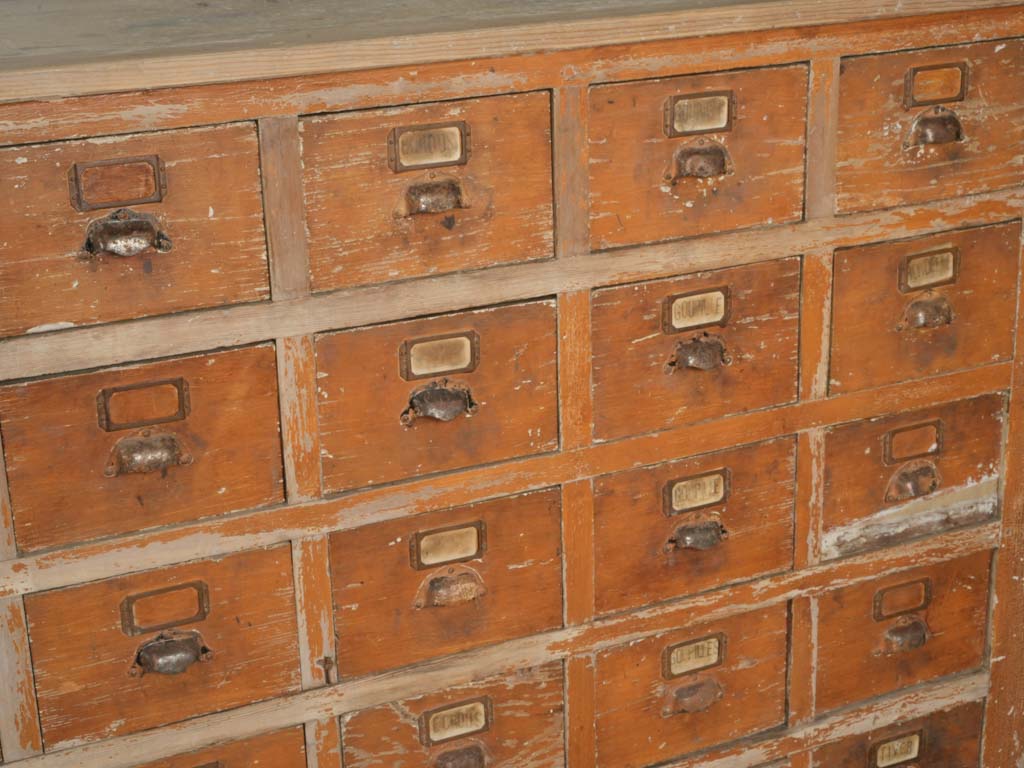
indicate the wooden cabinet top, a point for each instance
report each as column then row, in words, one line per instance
column 73, row 47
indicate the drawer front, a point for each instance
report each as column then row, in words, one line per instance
column 922, row 307
column 128, row 226
column 689, row 690
column 893, row 478
column 280, row 749
column 678, row 351
column 126, row 654
column 142, row 446
column 929, row 124
column 505, row 722
column 903, row 629
column 437, row 394
column 446, row 581
column 427, row 189
column 693, row 525
column 698, row 154
column 950, row 738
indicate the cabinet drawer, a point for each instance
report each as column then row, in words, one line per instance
column 922, row 307
column 135, row 652
column 500, row 722
column 691, row 525
column 694, row 155
column 678, row 351
column 691, row 689
column 950, row 738
column 903, row 629
column 280, row 749
column 437, row 394
column 929, row 124
column 446, row 581
column 427, row 189
column 141, row 446
column 893, row 478
column 128, row 226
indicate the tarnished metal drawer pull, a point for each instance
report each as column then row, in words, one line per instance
column 441, row 401
column 124, row 233
column 458, row 586
column 170, row 653
column 701, row 353
column 434, row 197
column 693, row 698
column 703, row 159
column 933, row 312
column 910, row 634
column 914, row 479
column 701, row 536
column 145, row 453
column 939, row 125
column 467, row 757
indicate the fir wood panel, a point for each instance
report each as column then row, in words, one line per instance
column 323, row 744
column 300, row 433
column 281, row 171
column 315, row 610
column 280, row 749
column 20, row 734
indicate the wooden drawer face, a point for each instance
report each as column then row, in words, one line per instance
column 692, row 525
column 903, row 629
column 893, row 478
column 689, row 690
column 98, row 649
column 142, row 446
column 929, row 124
column 678, row 351
column 437, row 394
column 698, row 154
column 280, row 749
column 201, row 187
column 922, row 307
column 446, row 581
column 427, row 189
column 950, row 738
column 504, row 722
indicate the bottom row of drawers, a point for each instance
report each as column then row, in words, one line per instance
column 153, row 648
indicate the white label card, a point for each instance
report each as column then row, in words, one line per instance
column 449, row 546
column 430, row 146
column 428, row 358
column 930, row 269
column 690, row 657
column 698, row 309
column 898, row 750
column 457, row 721
column 697, row 492
column 701, row 114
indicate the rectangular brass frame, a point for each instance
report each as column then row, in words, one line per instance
column 130, row 628
column 405, row 362
column 103, row 405
column 395, row 161
column 666, row 493
column 891, row 459
column 908, row 97
column 414, row 544
column 670, row 108
column 879, row 615
column 424, row 720
column 905, row 267
column 78, row 194
column 666, row 655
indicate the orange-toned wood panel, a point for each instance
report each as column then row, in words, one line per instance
column 101, row 671
column 500, row 722
column 682, row 350
column 387, row 412
column 447, row 581
column 692, row 525
column 65, row 264
column 920, row 307
column 695, row 155
column 142, row 446
column 900, row 144
column 427, row 189
column 280, row 749
column 903, row 629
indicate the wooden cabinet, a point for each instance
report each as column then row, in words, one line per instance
column 511, row 385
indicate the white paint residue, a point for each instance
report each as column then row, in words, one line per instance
column 45, row 327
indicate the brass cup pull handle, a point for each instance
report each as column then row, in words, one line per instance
column 701, row 536
column 932, row 312
column 908, row 635
column 170, row 653
column 459, row 586
column 937, row 126
column 913, row 480
column 702, row 160
column 440, row 401
column 124, row 233
column 146, row 452
column 467, row 757
column 434, row 197
column 693, row 698
column 701, row 353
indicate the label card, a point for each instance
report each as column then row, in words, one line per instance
column 458, row 353
column 898, row 751
column 696, row 310
column 927, row 270
column 699, row 113
column 448, row 545
column 693, row 656
column 454, row 722
column 428, row 146
column 697, row 492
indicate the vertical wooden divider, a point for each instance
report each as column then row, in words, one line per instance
column 1004, row 718
column 20, row 734
column 281, row 166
